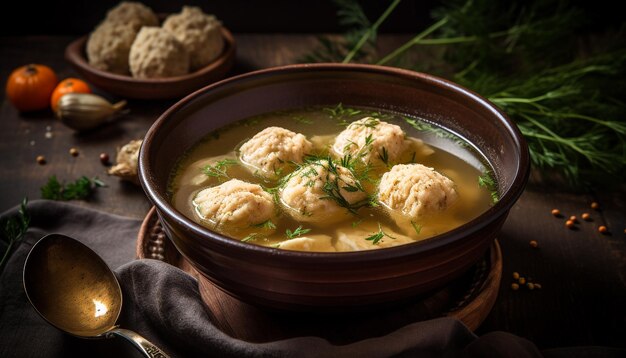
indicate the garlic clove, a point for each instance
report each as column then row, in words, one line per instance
column 83, row 111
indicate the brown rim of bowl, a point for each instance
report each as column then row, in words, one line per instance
column 75, row 54
column 507, row 198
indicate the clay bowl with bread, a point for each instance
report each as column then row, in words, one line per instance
column 337, row 281
column 157, row 88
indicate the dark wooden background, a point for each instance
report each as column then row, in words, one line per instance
column 75, row 17
column 583, row 272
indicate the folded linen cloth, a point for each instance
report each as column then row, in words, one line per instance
column 163, row 304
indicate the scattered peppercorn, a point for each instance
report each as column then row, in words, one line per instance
column 569, row 224
column 514, row 286
column 573, row 218
column 595, row 205
column 74, row 152
column 530, row 286
column 522, row 281
column 556, row 212
column 41, row 160
column 104, row 158
column 586, row 216
column 515, row 275
column 534, row 244
column 602, row 229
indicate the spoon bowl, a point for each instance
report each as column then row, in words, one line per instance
column 72, row 288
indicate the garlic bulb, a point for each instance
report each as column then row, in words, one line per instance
column 82, row 111
column 127, row 161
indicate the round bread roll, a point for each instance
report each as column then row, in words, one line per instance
column 156, row 53
column 200, row 33
column 109, row 45
column 132, row 13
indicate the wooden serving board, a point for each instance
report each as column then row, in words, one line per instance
column 469, row 298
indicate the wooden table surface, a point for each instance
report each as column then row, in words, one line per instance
column 582, row 272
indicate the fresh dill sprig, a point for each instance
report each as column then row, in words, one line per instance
column 219, row 169
column 522, row 56
column 12, row 229
column 417, row 227
column 299, row 231
column 267, row 224
column 488, row 182
column 375, row 238
column 81, row 189
column 358, row 42
column 252, row 237
column 341, row 114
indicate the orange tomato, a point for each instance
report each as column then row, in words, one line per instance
column 68, row 85
column 29, row 87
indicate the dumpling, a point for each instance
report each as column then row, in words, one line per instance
column 156, row 53
column 322, row 192
column 414, row 191
column 315, row 243
column 133, row 13
column 235, row 207
column 200, row 34
column 355, row 239
column 108, row 47
column 271, row 151
column 372, row 141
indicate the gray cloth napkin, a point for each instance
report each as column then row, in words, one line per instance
column 163, row 304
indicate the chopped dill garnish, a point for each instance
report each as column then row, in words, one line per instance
column 302, row 119
column 384, row 156
column 219, row 169
column 250, row 237
column 487, row 181
column 267, row 224
column 251, row 122
column 341, row 113
column 375, row 239
column 299, row 231
column 81, row 189
column 370, row 122
column 332, row 188
column 417, row 227
column 438, row 132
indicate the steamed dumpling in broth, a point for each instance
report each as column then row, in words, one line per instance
column 371, row 141
column 311, row 180
column 414, row 191
column 273, row 150
column 322, row 192
column 235, row 206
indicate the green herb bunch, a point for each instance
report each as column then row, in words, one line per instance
column 81, row 188
column 523, row 57
column 12, row 230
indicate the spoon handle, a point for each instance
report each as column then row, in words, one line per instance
column 143, row 345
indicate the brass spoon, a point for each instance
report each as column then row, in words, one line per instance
column 73, row 289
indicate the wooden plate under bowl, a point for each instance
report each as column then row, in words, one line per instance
column 468, row 298
column 157, row 88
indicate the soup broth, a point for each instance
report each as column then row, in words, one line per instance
column 365, row 224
